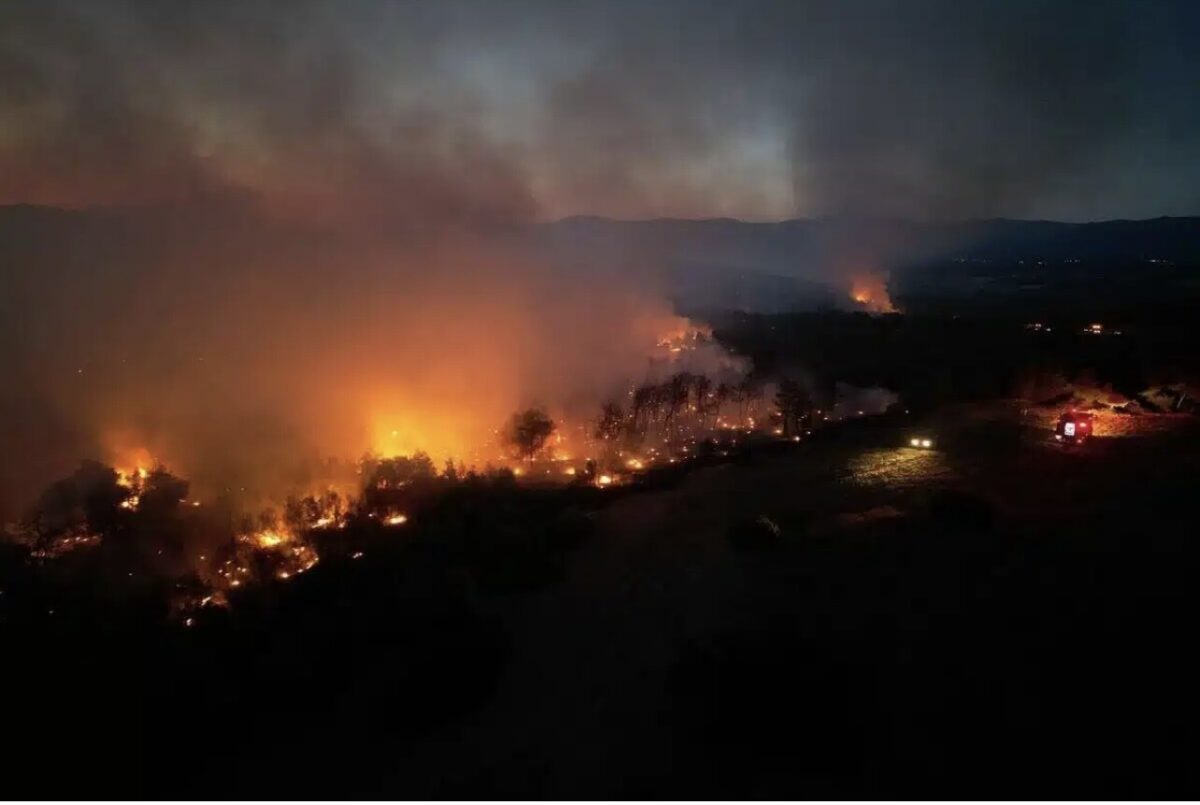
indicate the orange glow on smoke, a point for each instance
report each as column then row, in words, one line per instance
column 870, row 292
column 397, row 393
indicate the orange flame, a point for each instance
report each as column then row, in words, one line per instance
column 870, row 292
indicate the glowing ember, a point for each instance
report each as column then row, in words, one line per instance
column 65, row 543
column 396, row 519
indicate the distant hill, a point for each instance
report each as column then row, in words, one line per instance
column 785, row 248
column 727, row 263
column 809, row 263
column 773, row 246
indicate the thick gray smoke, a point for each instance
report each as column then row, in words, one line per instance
column 1015, row 108
column 309, row 226
column 245, row 352
column 930, row 108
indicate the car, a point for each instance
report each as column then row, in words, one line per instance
column 1074, row 427
column 921, row 442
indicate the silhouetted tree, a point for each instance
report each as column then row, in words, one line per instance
column 313, row 510
column 162, row 492
column 642, row 399
column 648, row 402
column 738, row 395
column 528, row 431
column 677, row 392
column 724, row 394
column 611, row 422
column 706, row 399
column 751, row 392
column 794, row 404
column 87, row 500
column 390, row 473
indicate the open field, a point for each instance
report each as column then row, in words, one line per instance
column 918, row 606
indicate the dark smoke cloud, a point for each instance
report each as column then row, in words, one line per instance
column 313, row 212
column 990, row 109
column 268, row 104
column 508, row 110
column 245, row 352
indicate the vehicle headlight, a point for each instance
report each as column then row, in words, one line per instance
column 915, row 442
column 926, row 443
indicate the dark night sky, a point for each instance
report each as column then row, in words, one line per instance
column 523, row 110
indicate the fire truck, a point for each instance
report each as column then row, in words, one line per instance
column 1074, row 427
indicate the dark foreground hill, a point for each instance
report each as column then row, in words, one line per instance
column 841, row 618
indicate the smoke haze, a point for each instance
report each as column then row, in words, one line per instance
column 244, row 353
column 386, row 112
column 302, row 227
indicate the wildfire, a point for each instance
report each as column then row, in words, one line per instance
column 301, row 558
column 270, row 538
column 65, row 543
column 134, row 481
column 684, row 336
column 869, row 291
column 414, row 443
column 290, row 555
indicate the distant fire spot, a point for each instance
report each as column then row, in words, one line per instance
column 870, row 293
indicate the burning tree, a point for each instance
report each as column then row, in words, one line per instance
column 702, row 389
column 643, row 404
column 453, row 472
column 677, row 391
column 136, row 518
column 79, row 508
column 611, row 423
column 528, row 431
column 314, row 511
column 395, row 472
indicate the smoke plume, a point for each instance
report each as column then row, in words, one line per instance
column 289, row 231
